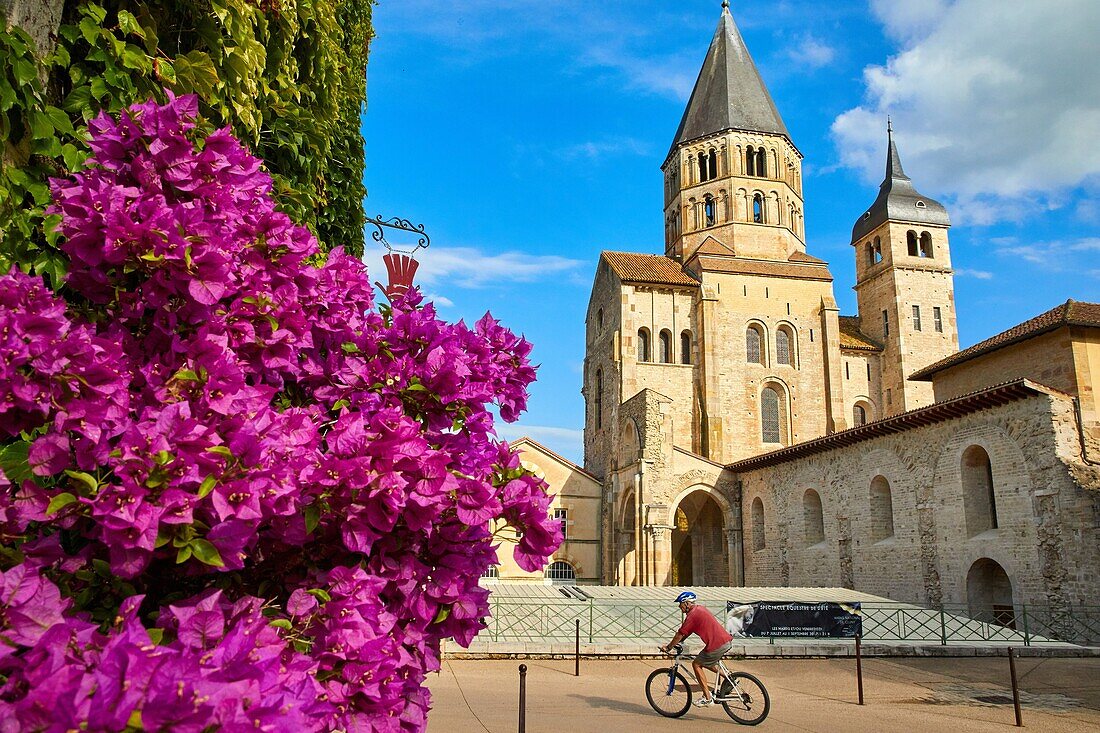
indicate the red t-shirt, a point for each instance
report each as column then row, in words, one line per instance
column 702, row 622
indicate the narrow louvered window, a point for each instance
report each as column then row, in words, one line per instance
column 769, row 415
column 643, row 345
column 859, row 416
column 666, row 347
column 753, row 352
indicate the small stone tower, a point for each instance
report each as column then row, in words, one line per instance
column 904, row 284
column 732, row 172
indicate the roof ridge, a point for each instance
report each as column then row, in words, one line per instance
column 1056, row 317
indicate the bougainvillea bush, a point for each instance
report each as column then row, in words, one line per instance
column 237, row 494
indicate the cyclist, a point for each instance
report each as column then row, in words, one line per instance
column 717, row 641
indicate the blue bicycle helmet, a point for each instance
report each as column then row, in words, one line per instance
column 685, row 596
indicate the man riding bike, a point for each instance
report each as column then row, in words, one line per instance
column 716, row 640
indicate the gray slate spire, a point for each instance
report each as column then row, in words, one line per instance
column 729, row 93
column 897, row 199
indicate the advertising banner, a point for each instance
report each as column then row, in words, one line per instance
column 824, row 620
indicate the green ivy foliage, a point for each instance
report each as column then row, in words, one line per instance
column 288, row 76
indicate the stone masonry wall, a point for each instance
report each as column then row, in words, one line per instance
column 1049, row 524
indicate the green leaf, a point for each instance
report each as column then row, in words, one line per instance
column 444, row 612
column 163, row 538
column 59, row 502
column 207, row 486
column 349, row 348
column 340, row 405
column 96, row 12
column 312, row 517
column 13, row 461
column 221, row 450
column 59, row 120
column 195, row 72
column 282, row 623
column 41, row 127
column 155, row 635
column 127, row 23
column 183, row 555
column 87, row 479
column 186, row 375
column 320, row 594
column 206, row 553
column 78, row 100
column 25, row 73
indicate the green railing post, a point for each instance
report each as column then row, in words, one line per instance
column 943, row 626
column 590, row 624
column 1027, row 634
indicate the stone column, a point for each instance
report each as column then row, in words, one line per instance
column 661, row 538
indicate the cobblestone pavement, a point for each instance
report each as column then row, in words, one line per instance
column 910, row 695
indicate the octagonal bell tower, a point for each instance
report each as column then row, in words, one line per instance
column 733, row 172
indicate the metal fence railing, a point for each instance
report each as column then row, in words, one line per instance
column 603, row 620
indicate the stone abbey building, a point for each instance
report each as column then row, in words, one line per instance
column 741, row 431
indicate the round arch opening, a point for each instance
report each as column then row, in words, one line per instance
column 989, row 593
column 700, row 551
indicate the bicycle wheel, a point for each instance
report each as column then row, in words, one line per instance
column 668, row 692
column 749, row 702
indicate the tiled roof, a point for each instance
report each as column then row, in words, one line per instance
column 852, row 338
column 948, row 409
column 648, row 269
column 1070, row 313
column 803, row 257
column 742, row 266
column 712, row 246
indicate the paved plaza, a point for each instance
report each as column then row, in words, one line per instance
column 959, row 695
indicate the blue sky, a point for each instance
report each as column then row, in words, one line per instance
column 527, row 137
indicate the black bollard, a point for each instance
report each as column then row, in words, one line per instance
column 1015, row 687
column 859, row 670
column 577, row 669
column 523, row 698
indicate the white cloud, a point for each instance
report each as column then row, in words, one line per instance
column 1056, row 256
column 597, row 149
column 811, row 53
column 993, row 105
column 566, row 441
column 440, row 300
column 976, row 274
column 469, row 267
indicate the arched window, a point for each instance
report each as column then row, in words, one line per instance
column 560, row 571
column 859, row 416
column 813, row 521
column 710, row 213
column 882, row 510
column 643, row 344
column 702, row 161
column 712, row 163
column 685, row 347
column 758, row 208
column 758, row 539
column 870, row 254
column 761, row 163
column 979, row 501
column 784, row 354
column 492, row 571
column 599, row 399
column 911, row 242
column 877, row 251
column 750, row 161
column 666, row 346
column 770, row 418
column 925, row 244
column 754, row 342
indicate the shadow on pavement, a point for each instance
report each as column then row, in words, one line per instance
column 616, row 705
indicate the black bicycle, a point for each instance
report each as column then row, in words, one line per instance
column 741, row 695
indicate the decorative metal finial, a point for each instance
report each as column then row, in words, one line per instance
column 889, row 126
column 726, row 4
column 399, row 262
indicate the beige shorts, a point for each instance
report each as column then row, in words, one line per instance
column 709, row 659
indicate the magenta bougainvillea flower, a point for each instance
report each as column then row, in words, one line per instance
column 237, row 494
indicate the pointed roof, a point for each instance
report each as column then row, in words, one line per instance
column 729, row 93
column 897, row 199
